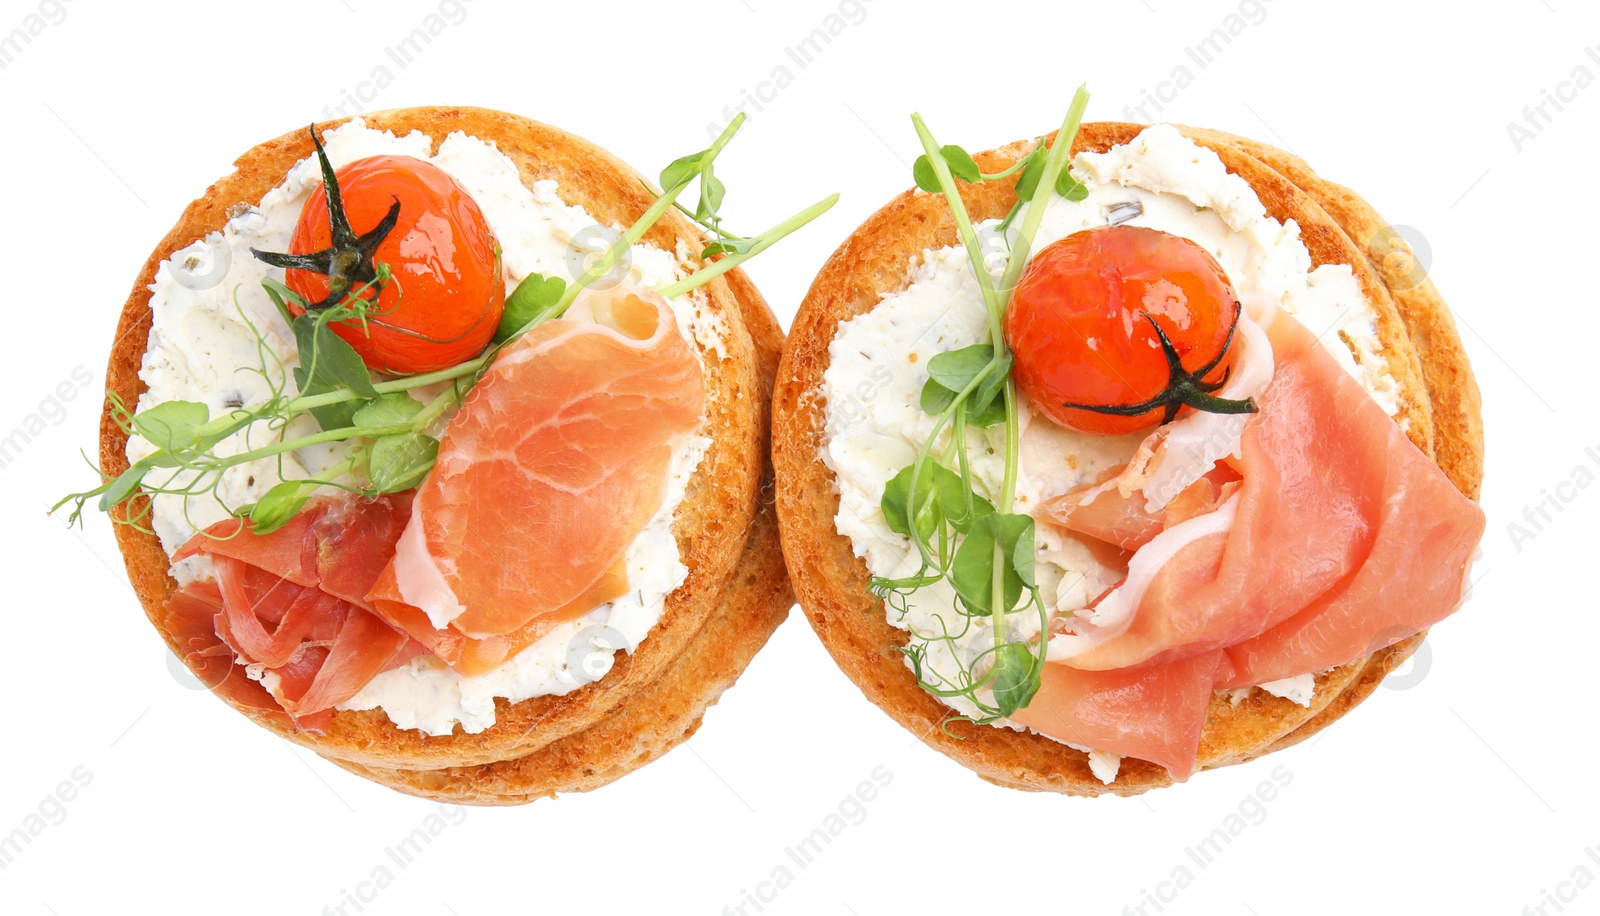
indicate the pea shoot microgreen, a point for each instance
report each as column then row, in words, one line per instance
column 391, row 434
column 706, row 212
column 982, row 549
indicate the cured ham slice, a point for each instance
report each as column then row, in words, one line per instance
column 1382, row 604
column 1153, row 712
column 291, row 605
column 476, row 656
column 553, row 466
column 1328, row 537
column 1337, row 512
column 1123, row 519
column 191, row 621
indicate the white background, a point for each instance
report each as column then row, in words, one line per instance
column 1472, row 790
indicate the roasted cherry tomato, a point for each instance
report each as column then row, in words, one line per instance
column 448, row 288
column 1087, row 321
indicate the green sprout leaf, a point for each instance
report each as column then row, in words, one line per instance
column 955, row 369
column 327, row 360
column 683, row 170
column 985, row 406
column 897, row 510
column 279, row 505
column 702, row 165
column 961, row 166
column 281, row 296
column 400, row 461
column 1070, row 187
column 936, row 398
column 172, row 426
column 328, row 364
column 1015, row 677
column 1033, row 169
column 393, row 409
column 728, row 246
column 123, row 486
column 992, row 414
column 951, row 373
column 396, row 460
column 712, row 192
column 972, row 573
column 1022, row 553
column 942, row 496
column 532, row 301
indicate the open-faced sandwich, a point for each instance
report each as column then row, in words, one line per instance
column 437, row 440
column 1123, row 453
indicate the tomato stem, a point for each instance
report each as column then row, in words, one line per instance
column 1201, row 400
column 347, row 263
column 1184, row 388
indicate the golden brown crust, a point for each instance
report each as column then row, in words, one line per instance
column 831, row 582
column 713, row 523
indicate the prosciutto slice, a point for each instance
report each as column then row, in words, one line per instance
column 190, row 620
column 1338, row 537
column 291, row 605
column 553, row 466
column 1332, row 495
column 1153, row 712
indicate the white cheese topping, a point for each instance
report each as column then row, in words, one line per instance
column 1299, row 688
column 204, row 347
column 1105, row 766
column 878, row 366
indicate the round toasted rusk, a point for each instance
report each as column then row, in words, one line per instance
column 1439, row 412
column 714, row 524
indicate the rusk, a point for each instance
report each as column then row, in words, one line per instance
column 735, row 575
column 1423, row 353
